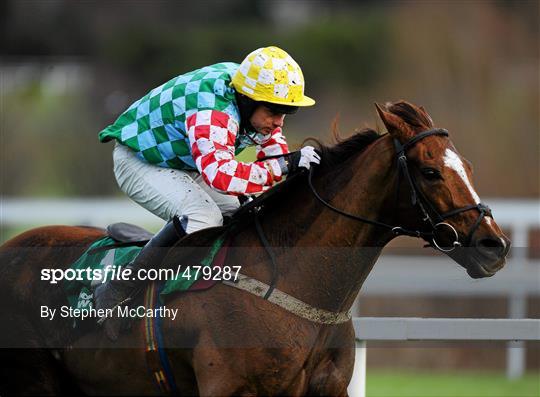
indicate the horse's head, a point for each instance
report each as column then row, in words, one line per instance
column 445, row 203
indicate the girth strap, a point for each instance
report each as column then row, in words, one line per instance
column 156, row 356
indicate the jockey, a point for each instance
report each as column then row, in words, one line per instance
column 175, row 147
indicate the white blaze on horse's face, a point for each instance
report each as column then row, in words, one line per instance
column 453, row 161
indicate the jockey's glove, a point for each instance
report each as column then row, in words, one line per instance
column 303, row 158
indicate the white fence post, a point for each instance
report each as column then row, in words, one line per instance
column 357, row 387
column 517, row 304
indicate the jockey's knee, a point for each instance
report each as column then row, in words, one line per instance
column 203, row 219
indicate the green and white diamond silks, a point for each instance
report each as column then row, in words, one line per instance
column 79, row 290
column 154, row 126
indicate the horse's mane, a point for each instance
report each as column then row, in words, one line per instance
column 345, row 148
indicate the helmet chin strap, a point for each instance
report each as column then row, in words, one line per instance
column 246, row 106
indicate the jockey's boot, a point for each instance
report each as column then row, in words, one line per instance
column 116, row 293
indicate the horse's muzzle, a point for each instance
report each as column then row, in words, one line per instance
column 493, row 248
column 487, row 256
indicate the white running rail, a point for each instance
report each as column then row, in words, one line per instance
column 432, row 329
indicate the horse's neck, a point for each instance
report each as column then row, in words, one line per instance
column 332, row 256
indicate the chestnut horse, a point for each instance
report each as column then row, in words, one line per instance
column 324, row 242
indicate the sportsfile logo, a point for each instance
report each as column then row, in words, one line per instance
column 96, row 276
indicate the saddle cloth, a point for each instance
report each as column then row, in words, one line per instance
column 107, row 252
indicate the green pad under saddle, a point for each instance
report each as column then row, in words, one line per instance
column 79, row 291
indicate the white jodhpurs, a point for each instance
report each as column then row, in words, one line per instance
column 167, row 192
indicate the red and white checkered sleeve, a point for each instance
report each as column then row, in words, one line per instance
column 274, row 146
column 212, row 135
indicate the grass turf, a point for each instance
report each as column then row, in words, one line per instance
column 469, row 384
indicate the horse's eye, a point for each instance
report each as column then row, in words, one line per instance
column 431, row 173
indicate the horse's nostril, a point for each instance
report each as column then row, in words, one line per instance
column 495, row 246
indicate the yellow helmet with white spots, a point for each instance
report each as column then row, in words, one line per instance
column 269, row 74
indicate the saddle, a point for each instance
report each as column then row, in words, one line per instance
column 127, row 233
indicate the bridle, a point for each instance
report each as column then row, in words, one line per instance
column 418, row 199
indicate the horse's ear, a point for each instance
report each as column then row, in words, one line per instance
column 426, row 114
column 394, row 124
column 390, row 120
